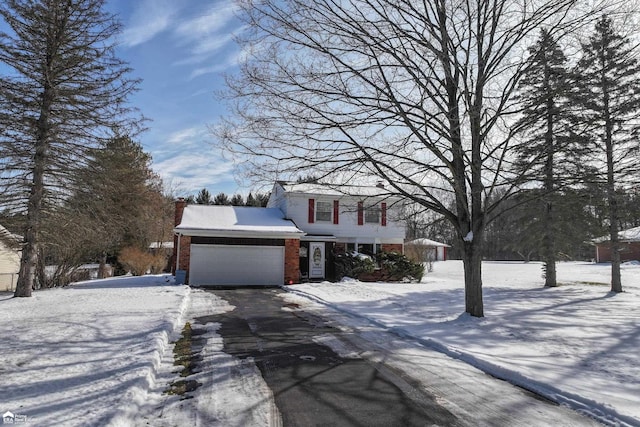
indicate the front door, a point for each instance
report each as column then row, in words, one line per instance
column 316, row 260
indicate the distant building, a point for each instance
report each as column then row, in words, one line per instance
column 629, row 246
column 423, row 250
column 10, row 255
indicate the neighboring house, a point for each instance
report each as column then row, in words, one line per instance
column 9, row 259
column 294, row 238
column 427, row 250
column 629, row 246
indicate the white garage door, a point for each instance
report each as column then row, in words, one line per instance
column 236, row 265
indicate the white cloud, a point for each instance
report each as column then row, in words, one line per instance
column 186, row 135
column 195, row 170
column 207, row 33
column 231, row 61
column 151, row 18
column 209, row 23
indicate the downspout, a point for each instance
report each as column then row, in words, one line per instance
column 178, row 253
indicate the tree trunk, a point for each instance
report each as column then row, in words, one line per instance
column 472, row 259
column 30, row 250
column 549, row 229
column 616, row 281
column 549, row 246
column 102, row 269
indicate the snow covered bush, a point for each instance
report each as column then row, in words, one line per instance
column 396, row 267
column 353, row 264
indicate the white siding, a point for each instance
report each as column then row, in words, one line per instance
column 277, row 199
column 348, row 228
column 9, row 267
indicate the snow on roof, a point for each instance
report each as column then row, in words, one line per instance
column 629, row 235
column 209, row 220
column 334, row 189
column 427, row 242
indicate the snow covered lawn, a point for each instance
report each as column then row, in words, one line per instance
column 99, row 353
column 578, row 344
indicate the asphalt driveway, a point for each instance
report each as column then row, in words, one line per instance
column 313, row 385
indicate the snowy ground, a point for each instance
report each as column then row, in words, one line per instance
column 99, row 353
column 577, row 344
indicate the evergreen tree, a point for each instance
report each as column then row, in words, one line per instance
column 64, row 90
column 549, row 153
column 221, row 199
column 204, row 197
column 118, row 202
column 608, row 92
column 251, row 201
column 237, row 200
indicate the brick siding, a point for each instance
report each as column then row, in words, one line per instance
column 628, row 252
column 292, row 261
column 393, row 247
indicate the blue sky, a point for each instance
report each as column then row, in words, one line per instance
column 180, row 49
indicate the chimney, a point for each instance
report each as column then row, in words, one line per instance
column 180, row 205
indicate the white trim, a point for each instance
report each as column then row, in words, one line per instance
column 199, row 232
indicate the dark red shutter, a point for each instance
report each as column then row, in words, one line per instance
column 360, row 213
column 336, row 212
column 383, row 214
column 312, row 211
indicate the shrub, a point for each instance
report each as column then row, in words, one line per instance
column 352, row 265
column 396, row 267
column 138, row 261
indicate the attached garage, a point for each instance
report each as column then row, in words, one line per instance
column 236, row 265
column 235, row 246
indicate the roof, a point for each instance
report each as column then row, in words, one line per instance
column 629, row 235
column 236, row 221
column 427, row 242
column 334, row 189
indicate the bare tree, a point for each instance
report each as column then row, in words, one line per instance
column 417, row 94
column 64, row 91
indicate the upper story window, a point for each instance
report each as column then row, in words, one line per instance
column 324, row 211
column 372, row 215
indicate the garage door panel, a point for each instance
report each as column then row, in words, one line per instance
column 236, row 265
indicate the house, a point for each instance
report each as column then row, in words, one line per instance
column 427, row 250
column 9, row 259
column 629, row 246
column 231, row 245
column 294, row 238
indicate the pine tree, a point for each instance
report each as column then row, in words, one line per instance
column 221, row 199
column 549, row 154
column 118, row 201
column 64, row 91
column 204, row 197
column 608, row 92
column 237, row 200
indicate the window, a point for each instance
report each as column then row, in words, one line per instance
column 324, row 211
column 372, row 215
